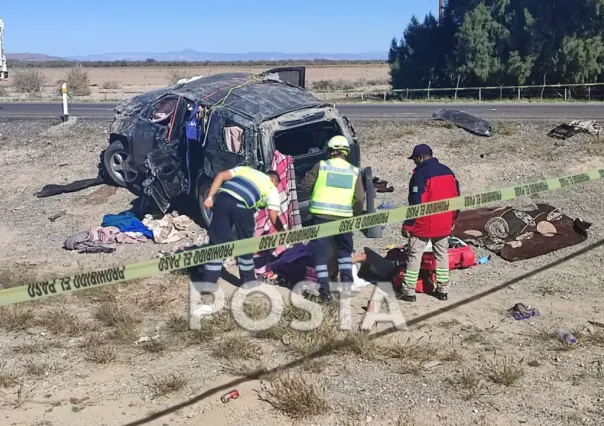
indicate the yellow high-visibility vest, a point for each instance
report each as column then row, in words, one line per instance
column 333, row 192
column 249, row 186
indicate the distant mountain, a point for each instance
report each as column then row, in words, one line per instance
column 191, row 55
column 31, row 57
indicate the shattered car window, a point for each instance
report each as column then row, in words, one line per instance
column 163, row 110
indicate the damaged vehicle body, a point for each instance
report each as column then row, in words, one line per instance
column 172, row 142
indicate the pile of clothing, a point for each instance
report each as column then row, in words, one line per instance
column 123, row 228
column 565, row 131
column 171, row 228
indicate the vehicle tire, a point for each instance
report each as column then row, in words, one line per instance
column 202, row 193
column 114, row 165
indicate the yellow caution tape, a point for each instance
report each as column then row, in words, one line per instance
column 196, row 257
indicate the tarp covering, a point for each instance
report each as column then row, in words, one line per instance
column 468, row 122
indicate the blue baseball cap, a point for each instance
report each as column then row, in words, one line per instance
column 419, row 150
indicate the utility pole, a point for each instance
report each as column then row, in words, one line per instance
column 441, row 11
column 3, row 67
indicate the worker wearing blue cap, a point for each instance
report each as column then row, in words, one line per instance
column 431, row 181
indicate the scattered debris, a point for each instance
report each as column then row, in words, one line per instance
column 234, row 394
column 381, row 185
column 565, row 131
column 566, row 337
column 386, row 205
column 596, row 323
column 463, row 120
column 520, row 311
column 58, row 215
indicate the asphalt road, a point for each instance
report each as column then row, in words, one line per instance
column 402, row 111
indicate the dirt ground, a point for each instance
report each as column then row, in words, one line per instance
column 73, row 360
column 159, row 76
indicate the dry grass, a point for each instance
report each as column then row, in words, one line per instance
column 345, row 84
column 296, row 396
column 222, row 322
column 505, row 129
column 506, row 372
column 111, row 85
column 166, row 385
column 98, row 350
column 154, row 346
column 16, row 318
column 37, row 367
column 7, row 377
column 28, row 81
column 415, row 351
column 17, row 275
column 158, row 76
column 120, row 319
column 62, row 322
column 245, row 367
column 175, row 75
column 237, row 348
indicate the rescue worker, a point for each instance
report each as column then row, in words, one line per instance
column 337, row 193
column 431, row 181
column 234, row 197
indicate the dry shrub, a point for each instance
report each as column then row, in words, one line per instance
column 237, row 347
column 78, row 82
column 506, row 372
column 17, row 275
column 16, row 318
column 175, row 75
column 62, row 322
column 111, row 85
column 296, row 395
column 166, row 385
column 28, row 81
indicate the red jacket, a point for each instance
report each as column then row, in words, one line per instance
column 432, row 181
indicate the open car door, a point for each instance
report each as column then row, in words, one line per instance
column 291, row 75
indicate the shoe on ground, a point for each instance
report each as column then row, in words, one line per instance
column 406, row 297
column 440, row 295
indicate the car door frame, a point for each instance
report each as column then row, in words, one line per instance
column 301, row 76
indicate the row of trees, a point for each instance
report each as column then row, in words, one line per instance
column 502, row 42
column 181, row 64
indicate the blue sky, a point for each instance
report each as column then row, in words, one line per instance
column 80, row 27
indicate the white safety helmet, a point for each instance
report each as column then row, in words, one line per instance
column 338, row 143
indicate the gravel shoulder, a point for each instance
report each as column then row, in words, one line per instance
column 73, row 360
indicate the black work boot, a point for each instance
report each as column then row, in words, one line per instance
column 406, row 297
column 440, row 295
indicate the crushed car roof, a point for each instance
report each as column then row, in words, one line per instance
column 260, row 99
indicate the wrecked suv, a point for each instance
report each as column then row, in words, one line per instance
column 173, row 141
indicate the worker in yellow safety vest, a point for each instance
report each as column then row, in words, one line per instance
column 234, row 197
column 337, row 193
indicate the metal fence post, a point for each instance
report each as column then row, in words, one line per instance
column 519, row 93
column 589, row 93
column 565, row 94
column 500, row 93
column 479, row 94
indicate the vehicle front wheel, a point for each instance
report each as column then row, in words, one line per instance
column 206, row 214
column 115, row 164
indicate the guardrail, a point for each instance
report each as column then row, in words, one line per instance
column 560, row 92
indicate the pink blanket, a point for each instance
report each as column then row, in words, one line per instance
column 289, row 213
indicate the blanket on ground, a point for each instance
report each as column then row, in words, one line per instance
column 520, row 233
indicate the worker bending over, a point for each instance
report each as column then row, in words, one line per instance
column 431, row 181
column 239, row 192
column 337, row 193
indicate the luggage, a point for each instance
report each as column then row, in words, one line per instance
column 461, row 256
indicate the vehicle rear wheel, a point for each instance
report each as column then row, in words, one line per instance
column 115, row 164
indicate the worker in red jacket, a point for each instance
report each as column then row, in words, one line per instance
column 431, row 181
